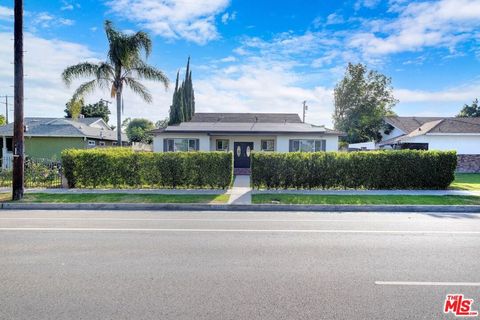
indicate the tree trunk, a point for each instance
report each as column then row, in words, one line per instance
column 119, row 118
column 18, row 138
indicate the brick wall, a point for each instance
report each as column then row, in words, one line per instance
column 468, row 163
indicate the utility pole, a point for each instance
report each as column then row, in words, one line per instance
column 6, row 106
column 106, row 102
column 18, row 138
column 305, row 108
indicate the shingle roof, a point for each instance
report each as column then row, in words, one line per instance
column 62, row 127
column 421, row 125
column 247, row 117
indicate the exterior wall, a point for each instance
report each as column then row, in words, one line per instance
column 204, row 144
column 468, row 163
column 393, row 134
column 463, row 144
column 50, row 148
column 232, row 139
column 283, row 141
column 208, row 143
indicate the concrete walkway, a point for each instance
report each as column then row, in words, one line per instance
column 374, row 192
column 241, row 193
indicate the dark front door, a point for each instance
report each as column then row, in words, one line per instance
column 241, row 154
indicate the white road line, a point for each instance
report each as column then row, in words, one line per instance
column 426, row 283
column 246, row 230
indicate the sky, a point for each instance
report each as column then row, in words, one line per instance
column 256, row 55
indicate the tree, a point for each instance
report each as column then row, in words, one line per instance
column 137, row 130
column 362, row 99
column 470, row 111
column 3, row 120
column 124, row 68
column 160, row 124
column 75, row 108
column 183, row 101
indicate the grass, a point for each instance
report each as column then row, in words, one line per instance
column 365, row 199
column 466, row 181
column 119, row 198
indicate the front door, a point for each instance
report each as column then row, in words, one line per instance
column 242, row 152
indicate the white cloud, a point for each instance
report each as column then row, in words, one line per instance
column 190, row 20
column 69, row 5
column 228, row 59
column 226, row 17
column 334, row 19
column 366, row 3
column 6, row 13
column 444, row 23
column 46, row 20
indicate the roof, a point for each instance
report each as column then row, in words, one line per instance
column 251, row 123
column 247, row 117
column 431, row 126
column 64, row 127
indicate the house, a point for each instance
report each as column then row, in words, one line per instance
column 435, row 133
column 243, row 133
column 45, row 138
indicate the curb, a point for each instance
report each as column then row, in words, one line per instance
column 239, row 207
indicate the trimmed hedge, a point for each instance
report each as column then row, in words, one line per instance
column 403, row 169
column 124, row 168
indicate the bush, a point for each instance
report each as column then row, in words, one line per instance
column 123, row 168
column 405, row 169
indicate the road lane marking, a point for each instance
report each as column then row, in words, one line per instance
column 426, row 283
column 246, row 230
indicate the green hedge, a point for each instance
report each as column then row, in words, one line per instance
column 123, row 168
column 405, row 169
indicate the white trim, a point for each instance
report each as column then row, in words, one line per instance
column 451, row 134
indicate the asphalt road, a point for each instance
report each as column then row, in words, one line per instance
column 235, row 265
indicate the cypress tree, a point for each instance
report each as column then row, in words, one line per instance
column 174, row 114
column 183, row 102
column 192, row 96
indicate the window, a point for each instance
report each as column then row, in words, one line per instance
column 222, row 145
column 115, row 143
column 101, row 143
column 173, row 145
column 92, row 143
column 306, row 145
column 268, row 145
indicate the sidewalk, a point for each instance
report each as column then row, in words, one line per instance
column 374, row 192
column 241, row 193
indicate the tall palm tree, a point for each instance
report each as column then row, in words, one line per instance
column 123, row 68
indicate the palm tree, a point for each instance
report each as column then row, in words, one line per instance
column 123, row 68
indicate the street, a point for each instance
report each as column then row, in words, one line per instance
column 235, row 265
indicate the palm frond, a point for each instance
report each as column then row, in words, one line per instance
column 139, row 89
column 84, row 89
column 84, row 69
column 144, row 71
column 141, row 41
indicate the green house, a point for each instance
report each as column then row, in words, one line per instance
column 45, row 138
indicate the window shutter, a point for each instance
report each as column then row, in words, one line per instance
column 165, row 145
column 197, row 144
column 324, row 145
column 318, row 145
column 290, row 147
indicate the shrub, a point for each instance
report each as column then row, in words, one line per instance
column 405, row 169
column 123, row 168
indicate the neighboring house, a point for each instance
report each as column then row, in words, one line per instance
column 243, row 133
column 45, row 138
column 436, row 133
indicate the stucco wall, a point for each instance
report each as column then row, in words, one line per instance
column 283, row 141
column 208, row 143
column 204, row 144
column 463, row 144
column 393, row 134
column 50, row 148
column 257, row 140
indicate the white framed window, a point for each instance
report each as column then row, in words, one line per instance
column 115, row 143
column 307, row 145
column 92, row 143
column 101, row 143
column 222, row 144
column 268, row 145
column 176, row 145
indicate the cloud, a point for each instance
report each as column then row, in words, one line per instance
column 46, row 20
column 174, row 19
column 69, row 6
column 444, row 23
column 370, row 4
column 6, row 13
column 226, row 17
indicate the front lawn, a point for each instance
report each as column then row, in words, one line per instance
column 364, row 199
column 119, row 198
column 466, row 181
